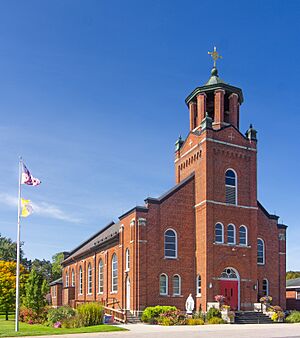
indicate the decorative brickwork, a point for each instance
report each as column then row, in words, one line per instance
column 228, row 264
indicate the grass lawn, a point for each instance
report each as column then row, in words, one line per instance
column 7, row 329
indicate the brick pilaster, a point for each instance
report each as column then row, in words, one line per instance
column 234, row 110
column 219, row 108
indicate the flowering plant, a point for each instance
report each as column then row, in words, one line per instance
column 57, row 325
column 220, row 298
column 225, row 307
column 266, row 299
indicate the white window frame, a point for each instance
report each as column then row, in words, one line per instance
column 67, row 279
column 90, row 280
column 267, row 284
column 298, row 295
column 236, row 185
column 114, row 280
column 179, row 285
column 127, row 260
column 198, row 285
column 222, row 233
column 264, row 251
column 166, row 284
column 100, row 276
column 73, row 277
column 176, row 247
column 234, row 234
column 246, row 235
column 80, row 281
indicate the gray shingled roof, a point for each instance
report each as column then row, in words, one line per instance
column 108, row 232
column 57, row 281
column 293, row 283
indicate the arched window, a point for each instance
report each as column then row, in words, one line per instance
column 229, row 273
column 100, row 276
column 230, row 187
column 170, row 244
column 176, row 285
column 219, row 233
column 114, row 273
column 73, row 278
column 260, row 251
column 231, row 234
column 127, row 260
column 163, row 284
column 198, row 285
column 243, row 235
column 265, row 287
column 89, row 279
column 67, row 279
column 80, row 281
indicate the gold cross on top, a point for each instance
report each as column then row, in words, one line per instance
column 215, row 55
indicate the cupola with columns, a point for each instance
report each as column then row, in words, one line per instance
column 216, row 99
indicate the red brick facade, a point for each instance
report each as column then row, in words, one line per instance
column 191, row 209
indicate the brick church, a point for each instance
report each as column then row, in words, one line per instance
column 208, row 235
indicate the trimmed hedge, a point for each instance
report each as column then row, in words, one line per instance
column 294, row 317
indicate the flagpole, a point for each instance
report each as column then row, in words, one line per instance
column 18, row 251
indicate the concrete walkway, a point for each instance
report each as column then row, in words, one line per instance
column 202, row 331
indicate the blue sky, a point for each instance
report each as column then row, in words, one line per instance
column 92, row 96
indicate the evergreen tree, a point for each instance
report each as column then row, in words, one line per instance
column 36, row 290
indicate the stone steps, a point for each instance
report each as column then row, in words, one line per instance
column 132, row 319
column 251, row 317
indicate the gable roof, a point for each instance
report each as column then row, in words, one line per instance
column 108, row 232
column 266, row 212
column 293, row 283
column 171, row 191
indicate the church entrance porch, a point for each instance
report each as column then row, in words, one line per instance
column 229, row 286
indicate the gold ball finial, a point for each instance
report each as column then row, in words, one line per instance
column 215, row 55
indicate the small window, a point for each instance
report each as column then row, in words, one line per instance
column 80, row 281
column 101, row 277
column 127, row 260
column 198, row 285
column 114, row 272
column 67, row 279
column 230, row 187
column 265, row 287
column 219, row 233
column 298, row 295
column 170, row 244
column 73, row 278
column 231, row 234
column 176, row 285
column 89, row 279
column 243, row 235
column 163, row 284
column 260, row 251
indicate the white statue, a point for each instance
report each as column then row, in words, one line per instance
column 189, row 304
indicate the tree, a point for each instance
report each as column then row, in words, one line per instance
column 44, row 267
column 8, row 252
column 8, row 285
column 292, row 274
column 56, row 265
column 36, row 289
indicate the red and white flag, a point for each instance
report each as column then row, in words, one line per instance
column 27, row 178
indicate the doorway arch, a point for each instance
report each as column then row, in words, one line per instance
column 230, row 287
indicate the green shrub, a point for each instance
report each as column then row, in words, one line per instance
column 73, row 322
column 90, row 314
column 199, row 315
column 294, row 317
column 213, row 312
column 60, row 314
column 173, row 317
column 216, row 320
column 195, row 321
column 151, row 313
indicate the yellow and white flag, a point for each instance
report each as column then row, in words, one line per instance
column 26, row 208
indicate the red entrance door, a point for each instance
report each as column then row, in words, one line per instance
column 229, row 289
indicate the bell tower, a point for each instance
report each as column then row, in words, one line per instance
column 217, row 99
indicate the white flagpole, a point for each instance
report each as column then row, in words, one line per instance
column 18, row 251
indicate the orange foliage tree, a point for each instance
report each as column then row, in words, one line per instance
column 8, row 285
